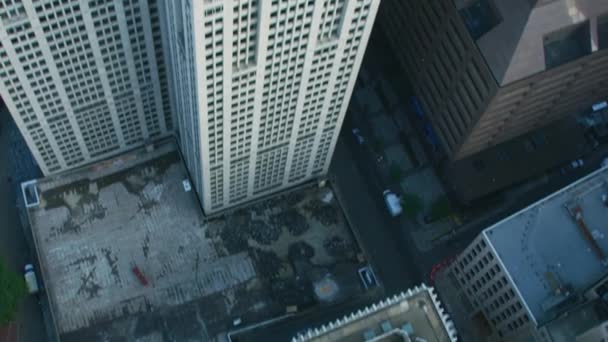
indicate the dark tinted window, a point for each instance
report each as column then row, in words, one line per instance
column 567, row 44
column 480, row 16
column 602, row 31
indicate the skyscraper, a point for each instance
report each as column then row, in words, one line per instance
column 486, row 71
column 83, row 80
column 260, row 89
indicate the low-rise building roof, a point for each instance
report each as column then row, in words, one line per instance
column 557, row 247
column 407, row 316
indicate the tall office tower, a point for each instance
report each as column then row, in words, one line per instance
column 538, row 275
column 486, row 71
column 261, row 88
column 81, row 78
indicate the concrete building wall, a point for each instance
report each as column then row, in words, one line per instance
column 490, row 293
column 80, row 78
column 270, row 83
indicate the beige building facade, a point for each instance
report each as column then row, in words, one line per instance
column 261, row 88
column 83, row 80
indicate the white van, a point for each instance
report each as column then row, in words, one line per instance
column 393, row 203
column 30, row 279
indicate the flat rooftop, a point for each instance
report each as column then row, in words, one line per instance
column 97, row 227
column 513, row 33
column 406, row 317
column 544, row 249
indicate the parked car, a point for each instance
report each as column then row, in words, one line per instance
column 575, row 164
column 30, row 279
column 358, row 136
column 393, row 203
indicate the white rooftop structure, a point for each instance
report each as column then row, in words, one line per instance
column 415, row 315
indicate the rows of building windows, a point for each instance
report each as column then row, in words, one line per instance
column 331, row 19
column 270, row 168
column 322, row 153
column 214, row 89
column 287, row 42
column 353, row 47
column 244, row 34
column 452, row 86
column 20, row 100
column 301, row 158
column 216, row 179
column 143, row 59
column 97, row 129
column 241, row 118
column 317, row 89
column 65, row 73
column 239, row 177
column 44, row 147
column 64, row 134
column 214, row 65
column 487, row 287
column 128, row 119
column 11, row 11
column 519, row 106
column 160, row 62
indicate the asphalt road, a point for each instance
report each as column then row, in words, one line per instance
column 387, row 245
column 13, row 246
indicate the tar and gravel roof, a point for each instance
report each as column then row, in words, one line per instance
column 95, row 224
column 542, row 245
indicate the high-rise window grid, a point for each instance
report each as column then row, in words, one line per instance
column 263, row 122
column 65, row 79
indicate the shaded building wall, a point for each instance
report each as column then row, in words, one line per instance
column 442, row 63
column 536, row 101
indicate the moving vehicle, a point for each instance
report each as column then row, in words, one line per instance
column 30, row 279
column 393, row 203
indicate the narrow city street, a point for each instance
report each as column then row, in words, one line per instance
column 387, row 240
column 13, row 245
column 391, row 252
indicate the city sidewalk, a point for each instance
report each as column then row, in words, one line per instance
column 15, row 241
column 399, row 157
column 397, row 153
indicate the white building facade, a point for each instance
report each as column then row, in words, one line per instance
column 83, row 80
column 260, row 89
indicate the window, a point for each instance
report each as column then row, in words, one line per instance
column 480, row 16
column 567, row 44
column 602, row 31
